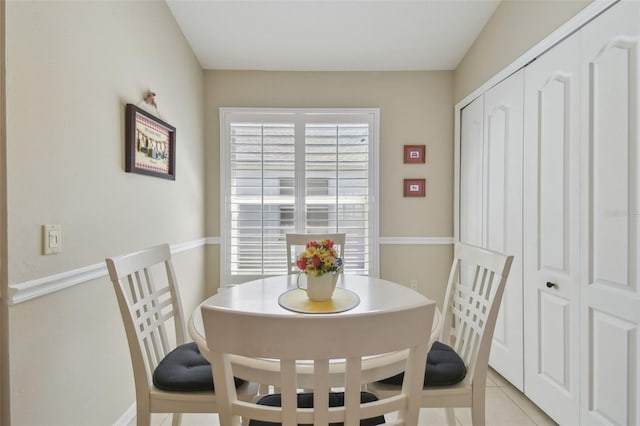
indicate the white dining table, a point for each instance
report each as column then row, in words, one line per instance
column 261, row 297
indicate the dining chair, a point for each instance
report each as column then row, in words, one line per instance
column 456, row 371
column 296, row 244
column 317, row 341
column 170, row 375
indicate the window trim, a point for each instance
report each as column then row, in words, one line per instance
column 299, row 116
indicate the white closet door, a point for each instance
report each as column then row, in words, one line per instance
column 551, row 231
column 503, row 135
column 471, row 169
column 610, row 282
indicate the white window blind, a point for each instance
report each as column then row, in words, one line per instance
column 296, row 171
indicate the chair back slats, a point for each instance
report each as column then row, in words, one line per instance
column 319, row 340
column 150, row 304
column 152, row 315
column 475, row 288
column 152, row 311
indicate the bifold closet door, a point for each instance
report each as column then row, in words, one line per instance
column 502, row 177
column 551, row 231
column 491, row 205
column 610, row 282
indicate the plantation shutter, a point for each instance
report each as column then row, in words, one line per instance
column 293, row 172
column 336, row 186
column 262, row 196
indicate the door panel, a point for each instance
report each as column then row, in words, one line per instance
column 503, row 128
column 611, row 394
column 553, row 180
column 554, row 355
column 610, row 292
column 551, row 231
column 611, row 85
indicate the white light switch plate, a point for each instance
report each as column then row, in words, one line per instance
column 51, row 239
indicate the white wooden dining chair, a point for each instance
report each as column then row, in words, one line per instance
column 471, row 304
column 296, row 244
column 320, row 339
column 170, row 375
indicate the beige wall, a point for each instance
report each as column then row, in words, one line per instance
column 515, row 27
column 72, row 67
column 415, row 108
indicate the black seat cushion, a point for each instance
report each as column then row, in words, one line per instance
column 185, row 369
column 305, row 400
column 444, row 368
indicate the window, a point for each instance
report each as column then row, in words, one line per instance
column 296, row 170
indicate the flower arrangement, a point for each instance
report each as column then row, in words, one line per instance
column 319, row 258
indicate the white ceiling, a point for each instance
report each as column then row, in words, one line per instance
column 338, row 35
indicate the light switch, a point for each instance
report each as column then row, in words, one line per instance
column 51, row 239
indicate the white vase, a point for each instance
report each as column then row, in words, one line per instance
column 319, row 289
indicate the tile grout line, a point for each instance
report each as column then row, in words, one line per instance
column 514, row 402
column 518, row 401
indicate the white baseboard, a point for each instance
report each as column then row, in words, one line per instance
column 127, row 417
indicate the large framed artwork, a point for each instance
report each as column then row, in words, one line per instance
column 150, row 144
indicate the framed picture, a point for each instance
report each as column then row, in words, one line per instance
column 414, row 154
column 150, row 144
column 414, row 187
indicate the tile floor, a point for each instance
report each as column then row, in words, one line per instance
column 506, row 406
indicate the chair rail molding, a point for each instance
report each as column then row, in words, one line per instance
column 21, row 292
column 427, row 241
column 28, row 290
column 389, row 240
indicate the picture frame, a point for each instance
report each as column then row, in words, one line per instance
column 414, row 154
column 415, row 187
column 150, row 144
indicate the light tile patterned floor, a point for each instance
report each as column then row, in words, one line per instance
column 506, row 406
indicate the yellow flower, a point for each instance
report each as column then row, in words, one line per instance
column 319, row 258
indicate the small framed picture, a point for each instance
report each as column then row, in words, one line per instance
column 414, row 154
column 414, row 187
column 150, row 144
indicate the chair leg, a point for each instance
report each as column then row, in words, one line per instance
column 143, row 417
column 176, row 419
column 477, row 415
column 478, row 408
column 451, row 417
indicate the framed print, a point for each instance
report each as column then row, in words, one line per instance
column 414, row 187
column 414, row 154
column 150, row 144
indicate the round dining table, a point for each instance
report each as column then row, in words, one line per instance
column 360, row 294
